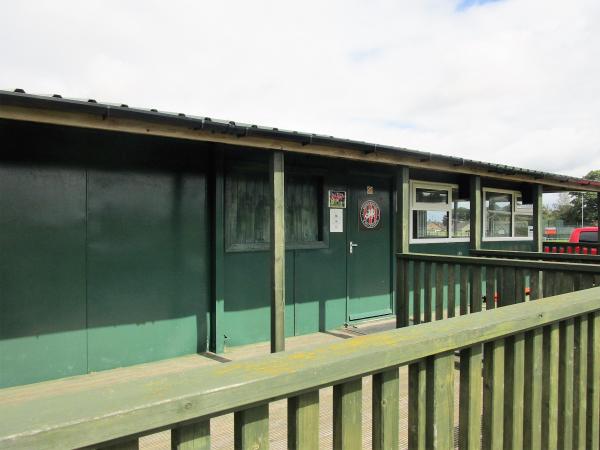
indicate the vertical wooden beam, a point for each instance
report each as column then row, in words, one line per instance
column 251, row 428
column 276, row 174
column 538, row 228
column 476, row 212
column 303, row 421
column 402, row 209
column 514, row 376
column 402, row 212
column 386, row 410
column 470, row 398
column 493, row 395
column 532, row 430
column 593, row 384
column 217, row 341
column 550, row 388
column 417, row 403
column 565, row 384
column 194, row 436
column 580, row 382
column 440, row 408
column 347, row 415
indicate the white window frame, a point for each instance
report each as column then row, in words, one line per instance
column 414, row 206
column 513, row 211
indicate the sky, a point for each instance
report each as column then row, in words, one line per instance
column 507, row 81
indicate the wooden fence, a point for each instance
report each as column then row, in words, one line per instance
column 434, row 287
column 529, row 378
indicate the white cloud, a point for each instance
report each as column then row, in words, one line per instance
column 511, row 81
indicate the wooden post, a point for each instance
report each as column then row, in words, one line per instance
column 217, row 340
column 402, row 210
column 538, row 229
column 476, row 209
column 276, row 175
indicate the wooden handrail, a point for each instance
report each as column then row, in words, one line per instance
column 133, row 408
column 542, row 256
column 500, row 262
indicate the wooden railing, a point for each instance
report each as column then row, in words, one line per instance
column 529, row 377
column 572, row 248
column 434, row 287
column 540, row 256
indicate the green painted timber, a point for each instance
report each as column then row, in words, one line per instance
column 470, row 402
column 130, row 407
column 347, row 415
column 251, row 428
column 385, row 409
column 277, row 243
column 84, row 267
column 303, row 421
column 194, row 436
column 476, row 209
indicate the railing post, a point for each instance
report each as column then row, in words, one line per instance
column 276, row 175
column 303, row 421
column 251, row 428
column 386, row 409
column 347, row 415
column 440, row 405
column 476, row 210
column 194, row 436
column 402, row 211
column 217, row 340
column 470, row 398
column 538, row 229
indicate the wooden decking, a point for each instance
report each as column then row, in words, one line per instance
column 222, row 427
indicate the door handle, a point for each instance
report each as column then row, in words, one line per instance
column 352, row 245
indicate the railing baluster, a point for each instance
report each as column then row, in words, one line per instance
column 451, row 291
column 507, row 286
column 519, row 286
column 429, row 267
column 417, row 293
column 464, row 289
column 386, row 410
column 439, row 291
column 303, row 421
column 193, row 436
column 490, row 287
column 402, row 290
column 417, row 403
column 440, row 405
column 565, row 385
column 475, row 300
column 132, row 444
column 580, row 377
column 532, row 429
column 514, row 391
column 593, row 383
column 251, row 428
column 347, row 415
column 493, row 395
column 536, row 278
column 470, row 398
column 550, row 387
column 549, row 283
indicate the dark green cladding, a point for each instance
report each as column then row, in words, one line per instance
column 104, row 244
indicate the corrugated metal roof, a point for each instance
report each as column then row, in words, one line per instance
column 20, row 98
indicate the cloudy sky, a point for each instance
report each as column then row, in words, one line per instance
column 509, row 81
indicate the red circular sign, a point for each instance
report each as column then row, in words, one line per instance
column 370, row 214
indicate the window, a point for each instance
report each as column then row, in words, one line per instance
column 506, row 216
column 438, row 213
column 248, row 209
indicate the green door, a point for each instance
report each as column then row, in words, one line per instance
column 369, row 248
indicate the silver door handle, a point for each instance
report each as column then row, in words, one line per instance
column 352, row 245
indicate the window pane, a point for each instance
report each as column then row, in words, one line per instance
column 495, row 201
column 521, row 208
column 302, row 208
column 431, row 196
column 430, row 224
column 523, row 225
column 588, row 236
column 461, row 216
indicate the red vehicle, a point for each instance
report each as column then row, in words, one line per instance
column 584, row 235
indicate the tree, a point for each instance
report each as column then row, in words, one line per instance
column 590, row 204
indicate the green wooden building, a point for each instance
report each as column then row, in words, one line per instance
column 131, row 235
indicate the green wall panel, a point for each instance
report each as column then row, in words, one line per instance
column 523, row 246
column 441, row 248
column 42, row 270
column 147, row 266
column 248, row 298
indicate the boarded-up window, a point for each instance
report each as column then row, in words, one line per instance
column 248, row 209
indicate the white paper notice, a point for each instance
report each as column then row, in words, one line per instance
column 336, row 220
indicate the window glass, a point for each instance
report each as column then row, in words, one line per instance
column 523, row 225
column 424, row 195
column 461, row 216
column 430, row 224
column 588, row 236
column 499, row 212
